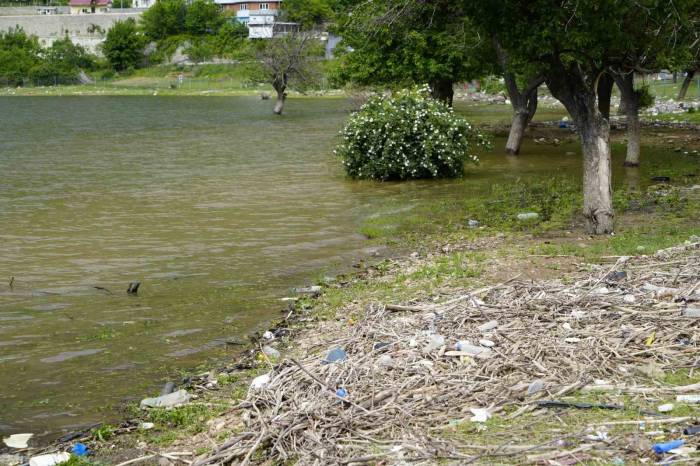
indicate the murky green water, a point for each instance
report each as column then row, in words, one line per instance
column 215, row 205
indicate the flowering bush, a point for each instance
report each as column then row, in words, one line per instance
column 408, row 135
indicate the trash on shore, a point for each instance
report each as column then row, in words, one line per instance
column 79, row 449
column 335, row 355
column 665, row 408
column 309, row 290
column 624, row 345
column 271, row 352
column 17, row 440
column 171, row 400
column 528, row 216
column 660, row 448
column 260, row 381
column 49, row 460
column 480, row 414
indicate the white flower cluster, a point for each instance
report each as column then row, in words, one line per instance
column 408, row 135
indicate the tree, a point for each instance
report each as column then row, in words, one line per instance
column 19, row 53
column 399, row 45
column 657, row 39
column 124, row 44
column 165, row 18
column 573, row 43
column 291, row 61
column 203, row 17
column 523, row 97
column 308, row 13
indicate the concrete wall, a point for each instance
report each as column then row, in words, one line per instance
column 48, row 28
column 26, row 10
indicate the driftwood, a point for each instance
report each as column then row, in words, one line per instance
column 593, row 332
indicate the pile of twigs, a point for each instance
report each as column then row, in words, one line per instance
column 549, row 338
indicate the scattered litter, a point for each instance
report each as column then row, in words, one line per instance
column 437, row 389
column 146, row 426
column 341, row 392
column 660, row 448
column 566, row 326
column 691, row 430
column 473, row 223
column 665, row 408
column 600, row 290
column 17, row 440
column 79, row 449
column 385, row 361
column 434, row 342
column 571, row 404
column 466, row 347
column 487, row 343
column 268, row 335
column 380, row 345
column 271, row 352
column 600, row 435
column 490, row 325
column 170, row 400
column 480, row 414
column 49, row 460
column 616, row 276
column 528, row 216
column 310, row 290
column 260, row 381
column 335, row 355
column 691, row 312
column 629, row 298
column 688, row 398
column 535, row 386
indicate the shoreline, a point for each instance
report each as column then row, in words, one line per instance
column 305, row 319
column 308, row 331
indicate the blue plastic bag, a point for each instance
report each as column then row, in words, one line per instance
column 660, row 448
column 79, row 449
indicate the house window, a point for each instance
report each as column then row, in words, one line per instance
column 243, row 6
column 264, row 6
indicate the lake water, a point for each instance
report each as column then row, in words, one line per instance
column 214, row 204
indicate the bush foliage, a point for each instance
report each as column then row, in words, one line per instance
column 407, row 136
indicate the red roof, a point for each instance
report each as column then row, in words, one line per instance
column 88, row 2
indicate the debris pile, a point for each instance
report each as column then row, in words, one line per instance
column 410, row 371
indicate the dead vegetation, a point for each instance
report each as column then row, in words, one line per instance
column 402, row 378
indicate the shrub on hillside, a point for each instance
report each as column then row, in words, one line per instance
column 407, row 136
column 124, row 44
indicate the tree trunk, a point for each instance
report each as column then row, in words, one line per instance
column 279, row 103
column 517, row 129
column 578, row 93
column 524, row 108
column 597, row 176
column 631, row 100
column 686, row 84
column 443, row 89
column 622, row 108
column 605, row 85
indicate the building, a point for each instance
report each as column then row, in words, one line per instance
column 245, row 9
column 89, row 7
column 142, row 3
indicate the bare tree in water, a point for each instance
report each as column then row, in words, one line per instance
column 290, row 61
